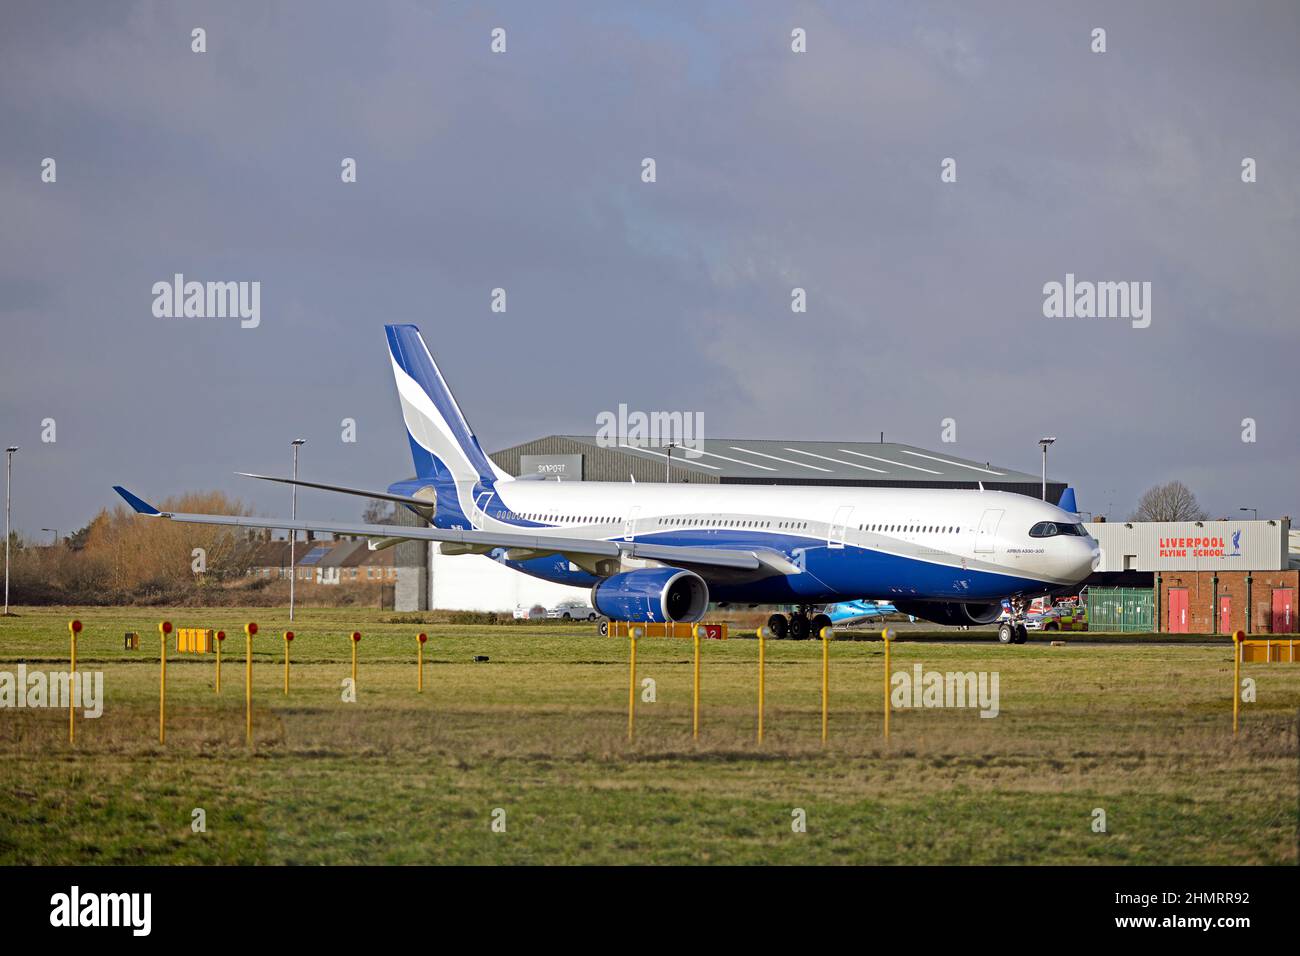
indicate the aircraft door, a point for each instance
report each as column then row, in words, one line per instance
column 629, row 524
column 839, row 526
column 988, row 530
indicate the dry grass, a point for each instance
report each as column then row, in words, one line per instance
column 1142, row 731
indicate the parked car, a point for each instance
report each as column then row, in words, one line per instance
column 1065, row 617
column 572, row 611
column 534, row 613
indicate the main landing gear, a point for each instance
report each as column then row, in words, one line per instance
column 798, row 626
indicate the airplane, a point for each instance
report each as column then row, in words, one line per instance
column 654, row 552
column 848, row 613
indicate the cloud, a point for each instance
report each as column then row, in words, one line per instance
column 522, row 171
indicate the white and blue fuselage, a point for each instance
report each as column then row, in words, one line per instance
column 843, row 543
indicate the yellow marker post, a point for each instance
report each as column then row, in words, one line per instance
column 888, row 636
column 73, row 628
column 695, row 691
column 249, row 630
column 356, row 639
column 419, row 659
column 762, row 677
column 288, row 639
column 633, row 633
column 1237, row 638
column 164, row 628
column 826, row 675
column 221, row 637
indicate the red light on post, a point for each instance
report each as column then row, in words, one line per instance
column 75, row 627
column 250, row 628
column 423, row 637
column 288, row 635
column 221, row 635
column 356, row 635
column 165, row 627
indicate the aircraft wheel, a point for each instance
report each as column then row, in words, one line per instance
column 798, row 627
column 1006, row 634
column 818, row 622
column 777, row 625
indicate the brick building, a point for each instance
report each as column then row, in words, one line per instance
column 1220, row 602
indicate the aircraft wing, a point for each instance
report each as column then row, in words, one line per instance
column 540, row 544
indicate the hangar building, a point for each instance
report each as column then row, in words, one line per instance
column 732, row 461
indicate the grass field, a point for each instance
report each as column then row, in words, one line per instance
column 1141, row 730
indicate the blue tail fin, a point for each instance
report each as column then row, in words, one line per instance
column 442, row 443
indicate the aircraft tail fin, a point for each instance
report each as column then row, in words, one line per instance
column 442, row 443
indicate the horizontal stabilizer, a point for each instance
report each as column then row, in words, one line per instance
column 341, row 489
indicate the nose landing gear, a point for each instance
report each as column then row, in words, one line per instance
column 1012, row 630
column 1009, row 633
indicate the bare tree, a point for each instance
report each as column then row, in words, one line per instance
column 1172, row 501
column 379, row 511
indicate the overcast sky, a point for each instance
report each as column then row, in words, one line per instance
column 522, row 170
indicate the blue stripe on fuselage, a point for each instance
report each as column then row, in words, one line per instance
column 837, row 574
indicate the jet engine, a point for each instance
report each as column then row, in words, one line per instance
column 951, row 615
column 652, row 594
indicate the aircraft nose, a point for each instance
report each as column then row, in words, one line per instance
column 1078, row 558
column 1089, row 557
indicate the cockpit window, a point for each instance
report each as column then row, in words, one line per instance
column 1050, row 529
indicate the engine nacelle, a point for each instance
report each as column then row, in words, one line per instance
column 952, row 615
column 652, row 594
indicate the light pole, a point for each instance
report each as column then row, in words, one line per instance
column 9, row 465
column 1254, row 511
column 1045, row 442
column 293, row 532
column 668, row 465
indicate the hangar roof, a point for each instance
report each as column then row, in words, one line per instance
column 820, row 460
column 769, row 461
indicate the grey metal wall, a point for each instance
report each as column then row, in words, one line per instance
column 411, row 558
column 598, row 463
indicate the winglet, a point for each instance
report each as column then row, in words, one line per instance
column 142, row 507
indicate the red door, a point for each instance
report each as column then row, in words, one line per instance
column 1177, row 611
column 1225, row 614
column 1283, row 610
